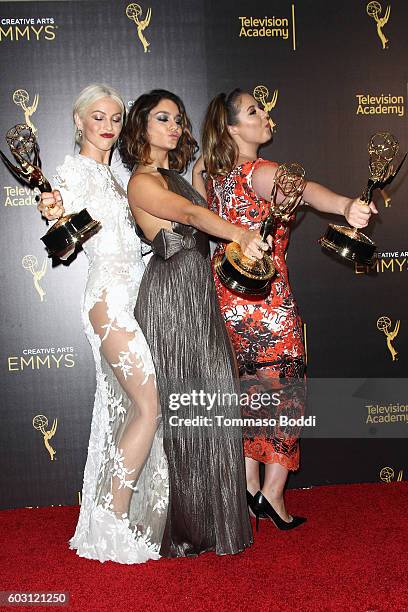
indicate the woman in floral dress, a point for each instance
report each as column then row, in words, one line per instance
column 267, row 332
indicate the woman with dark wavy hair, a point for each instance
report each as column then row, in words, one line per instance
column 266, row 333
column 178, row 311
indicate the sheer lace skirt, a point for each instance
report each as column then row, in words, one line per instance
column 125, row 489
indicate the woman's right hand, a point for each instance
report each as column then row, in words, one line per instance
column 51, row 205
column 251, row 244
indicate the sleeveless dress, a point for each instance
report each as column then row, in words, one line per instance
column 266, row 333
column 130, row 534
column 178, row 311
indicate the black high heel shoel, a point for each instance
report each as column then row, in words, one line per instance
column 251, row 505
column 261, row 506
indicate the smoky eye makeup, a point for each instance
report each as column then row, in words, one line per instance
column 162, row 117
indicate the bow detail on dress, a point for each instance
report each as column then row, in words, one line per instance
column 167, row 243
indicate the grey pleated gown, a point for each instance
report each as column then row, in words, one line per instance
column 177, row 310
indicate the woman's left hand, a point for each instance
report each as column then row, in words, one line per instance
column 358, row 213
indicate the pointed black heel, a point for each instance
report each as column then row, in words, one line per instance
column 263, row 507
column 251, row 506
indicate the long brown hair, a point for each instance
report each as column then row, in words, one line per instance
column 220, row 152
column 134, row 146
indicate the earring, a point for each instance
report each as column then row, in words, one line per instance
column 80, row 133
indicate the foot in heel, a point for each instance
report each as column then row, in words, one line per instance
column 262, row 505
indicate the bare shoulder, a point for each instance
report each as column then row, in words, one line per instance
column 147, row 180
column 263, row 177
column 144, row 178
column 265, row 169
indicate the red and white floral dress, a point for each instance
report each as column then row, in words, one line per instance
column 266, row 333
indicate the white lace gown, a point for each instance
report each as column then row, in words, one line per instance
column 124, row 499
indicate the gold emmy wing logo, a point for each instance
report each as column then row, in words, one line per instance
column 30, row 263
column 387, row 474
column 373, row 10
column 40, row 423
column 261, row 94
column 21, row 98
column 384, row 325
column 134, row 12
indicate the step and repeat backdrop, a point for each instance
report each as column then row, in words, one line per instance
column 331, row 75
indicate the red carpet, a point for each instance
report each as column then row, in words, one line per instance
column 350, row 555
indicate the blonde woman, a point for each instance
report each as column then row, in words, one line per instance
column 125, row 487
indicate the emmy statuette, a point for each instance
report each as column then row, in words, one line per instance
column 69, row 231
column 252, row 277
column 348, row 242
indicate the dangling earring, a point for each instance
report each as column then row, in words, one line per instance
column 80, row 133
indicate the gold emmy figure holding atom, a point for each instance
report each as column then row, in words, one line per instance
column 384, row 325
column 249, row 276
column 348, row 242
column 70, row 230
column 30, row 263
column 133, row 12
column 374, row 10
column 261, row 94
column 21, row 98
column 40, row 422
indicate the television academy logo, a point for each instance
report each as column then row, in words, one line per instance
column 269, row 26
column 134, row 13
column 15, row 196
column 380, row 104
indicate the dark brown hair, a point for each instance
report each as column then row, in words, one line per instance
column 134, row 146
column 220, row 152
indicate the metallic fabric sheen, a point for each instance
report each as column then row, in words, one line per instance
column 178, row 312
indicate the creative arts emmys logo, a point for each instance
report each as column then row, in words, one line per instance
column 384, row 325
column 393, row 261
column 40, row 423
column 374, row 10
column 21, row 98
column 39, row 358
column 17, row 29
column 134, row 12
column 30, row 263
column 387, row 474
column 261, row 94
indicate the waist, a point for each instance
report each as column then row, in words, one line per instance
column 167, row 243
